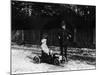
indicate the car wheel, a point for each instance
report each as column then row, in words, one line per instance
column 63, row 60
column 56, row 61
column 36, row 59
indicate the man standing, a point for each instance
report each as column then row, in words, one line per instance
column 64, row 35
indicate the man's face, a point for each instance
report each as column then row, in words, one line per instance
column 64, row 27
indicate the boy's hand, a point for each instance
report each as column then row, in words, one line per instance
column 51, row 52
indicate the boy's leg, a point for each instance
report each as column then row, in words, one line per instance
column 45, row 57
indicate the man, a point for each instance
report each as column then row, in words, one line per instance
column 64, row 35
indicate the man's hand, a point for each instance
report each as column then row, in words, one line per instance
column 59, row 37
column 70, row 36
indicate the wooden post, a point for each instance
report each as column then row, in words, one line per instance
column 94, row 36
column 75, row 32
column 22, row 35
column 39, row 37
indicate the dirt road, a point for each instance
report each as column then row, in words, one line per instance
column 22, row 64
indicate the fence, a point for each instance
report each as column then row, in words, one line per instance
column 83, row 38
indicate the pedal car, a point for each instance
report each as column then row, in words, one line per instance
column 54, row 58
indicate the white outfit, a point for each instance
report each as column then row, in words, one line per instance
column 44, row 46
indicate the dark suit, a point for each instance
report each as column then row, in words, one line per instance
column 64, row 37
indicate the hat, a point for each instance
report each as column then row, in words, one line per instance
column 63, row 23
column 45, row 35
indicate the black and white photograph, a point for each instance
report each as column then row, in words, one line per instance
column 52, row 37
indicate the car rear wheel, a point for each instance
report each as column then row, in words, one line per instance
column 36, row 59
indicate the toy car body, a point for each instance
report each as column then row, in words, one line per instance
column 55, row 58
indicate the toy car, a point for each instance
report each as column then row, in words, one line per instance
column 55, row 59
